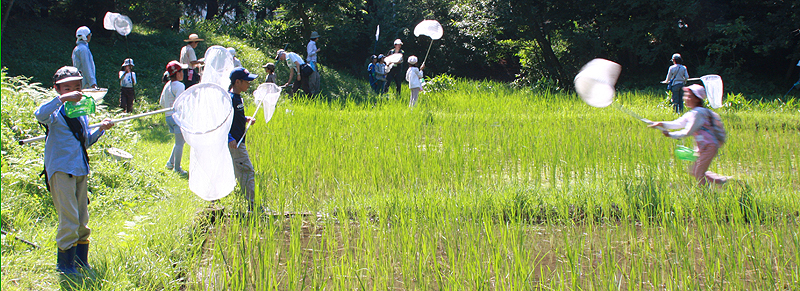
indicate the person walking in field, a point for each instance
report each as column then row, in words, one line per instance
column 676, row 78
column 189, row 58
column 311, row 59
column 67, row 169
column 296, row 66
column 707, row 129
column 173, row 88
column 82, row 57
column 127, row 80
column 414, row 76
column 242, row 167
column 395, row 69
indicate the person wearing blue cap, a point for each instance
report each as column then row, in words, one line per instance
column 242, row 167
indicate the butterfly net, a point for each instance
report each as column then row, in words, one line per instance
column 218, row 66
column 595, row 82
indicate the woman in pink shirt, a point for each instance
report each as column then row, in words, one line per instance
column 698, row 122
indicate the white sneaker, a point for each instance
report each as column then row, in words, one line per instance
column 169, row 166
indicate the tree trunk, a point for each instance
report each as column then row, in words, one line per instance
column 553, row 64
column 212, row 8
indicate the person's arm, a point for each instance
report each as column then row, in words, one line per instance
column 297, row 67
column 670, row 73
column 291, row 75
column 44, row 113
column 98, row 132
column 685, row 73
column 693, row 123
column 311, row 50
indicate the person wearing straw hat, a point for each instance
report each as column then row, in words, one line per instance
column 297, row 66
column 311, row 59
column 395, row 69
column 242, row 167
column 127, row 79
column 82, row 57
column 705, row 126
column 66, row 164
column 676, row 78
column 173, row 88
column 189, row 58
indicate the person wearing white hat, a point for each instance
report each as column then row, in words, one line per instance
column 66, row 164
column 127, row 80
column 676, row 78
column 236, row 62
column 706, row 128
column 82, row 57
column 189, row 58
column 395, row 69
column 413, row 76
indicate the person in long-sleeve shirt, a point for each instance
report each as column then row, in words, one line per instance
column 82, row 57
column 67, row 168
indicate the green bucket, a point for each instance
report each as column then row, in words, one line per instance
column 84, row 107
column 685, row 154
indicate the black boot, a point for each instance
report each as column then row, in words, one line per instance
column 82, row 254
column 66, row 261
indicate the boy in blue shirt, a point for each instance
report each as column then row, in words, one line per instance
column 242, row 167
column 67, row 168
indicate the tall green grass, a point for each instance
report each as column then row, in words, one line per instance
column 487, row 187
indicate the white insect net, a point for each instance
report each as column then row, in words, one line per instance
column 595, row 82
column 218, row 66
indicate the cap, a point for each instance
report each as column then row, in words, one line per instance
column 174, row 67
column 398, row 41
column 128, row 62
column 270, row 66
column 241, row 73
column 278, row 55
column 412, row 60
column 314, row 35
column 83, row 33
column 373, row 57
column 697, row 90
column 232, row 51
column 675, row 56
column 380, row 56
column 193, row 38
column 66, row 74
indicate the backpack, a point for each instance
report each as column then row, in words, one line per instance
column 717, row 128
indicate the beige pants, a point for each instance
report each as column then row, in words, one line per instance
column 699, row 169
column 71, row 200
column 244, row 171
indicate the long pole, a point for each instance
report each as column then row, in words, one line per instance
column 41, row 137
column 426, row 54
column 248, row 125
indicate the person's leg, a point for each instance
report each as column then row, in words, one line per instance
column 63, row 188
column 82, row 247
column 177, row 150
column 244, row 172
column 397, row 82
column 677, row 98
column 414, row 96
column 706, row 154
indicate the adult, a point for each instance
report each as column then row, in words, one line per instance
column 296, row 66
column 396, row 71
column 67, row 169
column 242, row 167
column 311, row 59
column 188, row 57
column 172, row 89
column 236, row 62
column 82, row 57
column 676, row 78
column 698, row 122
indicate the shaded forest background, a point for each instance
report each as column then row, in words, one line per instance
column 753, row 45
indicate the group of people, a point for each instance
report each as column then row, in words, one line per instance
column 382, row 74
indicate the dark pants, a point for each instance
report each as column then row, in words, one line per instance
column 677, row 97
column 126, row 97
column 305, row 74
column 396, row 76
column 190, row 77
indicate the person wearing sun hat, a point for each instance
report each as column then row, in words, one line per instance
column 395, row 69
column 173, row 88
column 705, row 126
column 311, row 59
column 189, row 58
column 127, row 80
column 66, row 164
column 82, row 57
column 242, row 167
column 414, row 76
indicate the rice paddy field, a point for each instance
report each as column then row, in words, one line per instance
column 483, row 187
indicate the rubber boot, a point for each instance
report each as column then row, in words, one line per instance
column 82, row 254
column 66, row 261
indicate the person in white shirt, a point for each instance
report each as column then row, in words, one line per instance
column 311, row 59
column 413, row 76
column 127, row 80
column 172, row 89
column 189, row 58
column 296, row 66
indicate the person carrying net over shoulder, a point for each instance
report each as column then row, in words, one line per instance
column 707, row 129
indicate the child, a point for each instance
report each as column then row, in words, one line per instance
column 380, row 75
column 698, row 122
column 67, row 168
column 371, row 71
column 127, row 79
column 242, row 167
column 413, row 76
column 172, row 89
column 270, row 69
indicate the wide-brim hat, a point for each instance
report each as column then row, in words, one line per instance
column 66, row 74
column 413, row 60
column 193, row 38
column 270, row 66
column 697, row 90
column 128, row 62
column 398, row 41
column 314, row 35
column 675, row 56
